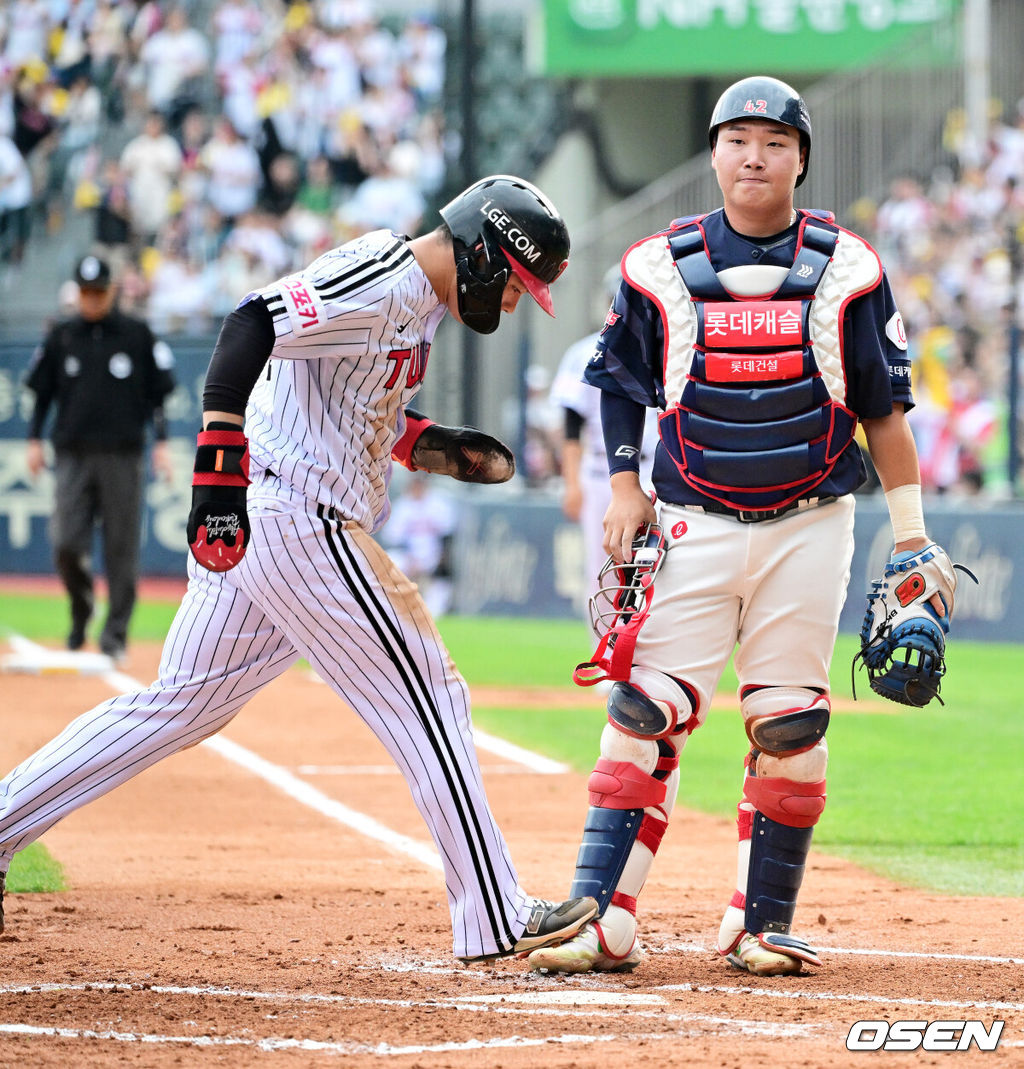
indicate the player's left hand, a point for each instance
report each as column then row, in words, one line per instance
column 463, row 453
column 218, row 525
column 903, row 635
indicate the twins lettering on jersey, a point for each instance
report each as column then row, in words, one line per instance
column 504, row 225
column 411, row 362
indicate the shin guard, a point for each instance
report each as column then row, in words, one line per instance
column 608, row 838
column 620, row 792
column 778, row 854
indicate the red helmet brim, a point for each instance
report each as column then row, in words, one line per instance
column 537, row 288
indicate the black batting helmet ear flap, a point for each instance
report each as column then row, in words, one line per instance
column 500, row 225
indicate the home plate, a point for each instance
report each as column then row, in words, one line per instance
column 569, row 998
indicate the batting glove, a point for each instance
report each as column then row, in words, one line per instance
column 218, row 526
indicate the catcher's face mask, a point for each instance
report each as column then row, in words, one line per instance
column 620, row 606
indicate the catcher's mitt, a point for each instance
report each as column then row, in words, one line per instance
column 903, row 638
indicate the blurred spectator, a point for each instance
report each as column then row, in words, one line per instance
column 174, row 59
column 79, row 128
column 904, row 217
column 388, row 198
column 28, row 28
column 238, row 28
column 108, row 48
column 33, row 122
column 151, row 163
column 422, row 46
column 542, row 428
column 351, row 150
column 179, row 299
column 112, row 224
column 15, row 205
column 258, row 238
column 281, row 185
column 69, row 44
column 233, row 173
column 308, row 226
column 418, row 535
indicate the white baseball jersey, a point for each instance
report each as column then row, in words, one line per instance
column 353, row 332
column 353, row 335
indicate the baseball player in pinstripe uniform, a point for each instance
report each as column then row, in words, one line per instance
column 763, row 334
column 304, row 408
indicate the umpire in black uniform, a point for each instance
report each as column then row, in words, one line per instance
column 107, row 377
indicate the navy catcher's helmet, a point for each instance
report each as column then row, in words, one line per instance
column 502, row 225
column 761, row 97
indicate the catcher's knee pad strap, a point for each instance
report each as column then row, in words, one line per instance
column 782, row 721
column 787, row 801
column 651, row 705
column 621, row 785
column 608, row 837
column 778, row 854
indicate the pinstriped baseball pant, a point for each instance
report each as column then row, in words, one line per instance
column 309, row 586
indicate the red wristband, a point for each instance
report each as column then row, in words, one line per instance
column 222, row 458
column 402, row 449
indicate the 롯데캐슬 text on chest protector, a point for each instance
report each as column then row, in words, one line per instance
column 759, row 418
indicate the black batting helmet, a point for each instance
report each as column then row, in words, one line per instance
column 761, row 97
column 502, row 225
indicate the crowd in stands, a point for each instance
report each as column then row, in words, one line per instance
column 218, row 144
column 948, row 242
column 215, row 145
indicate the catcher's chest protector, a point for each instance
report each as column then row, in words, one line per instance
column 758, row 385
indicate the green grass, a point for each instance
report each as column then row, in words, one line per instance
column 45, row 618
column 930, row 797
column 34, row 869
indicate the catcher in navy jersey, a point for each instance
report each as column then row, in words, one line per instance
column 764, row 334
column 320, row 366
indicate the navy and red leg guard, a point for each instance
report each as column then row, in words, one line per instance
column 619, row 793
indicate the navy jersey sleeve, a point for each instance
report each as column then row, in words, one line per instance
column 628, row 354
column 875, row 354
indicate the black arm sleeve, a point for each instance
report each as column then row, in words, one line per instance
column 573, row 425
column 622, row 421
column 243, row 348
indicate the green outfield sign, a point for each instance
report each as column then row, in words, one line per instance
column 686, row 37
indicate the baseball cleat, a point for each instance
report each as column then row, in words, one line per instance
column 585, row 953
column 3, row 881
column 770, row 955
column 550, row 922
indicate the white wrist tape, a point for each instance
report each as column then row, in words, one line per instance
column 905, row 512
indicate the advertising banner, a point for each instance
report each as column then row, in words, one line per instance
column 605, row 38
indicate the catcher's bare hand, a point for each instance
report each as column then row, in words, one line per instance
column 463, row 453
column 630, row 508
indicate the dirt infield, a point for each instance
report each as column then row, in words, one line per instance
column 214, row 919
